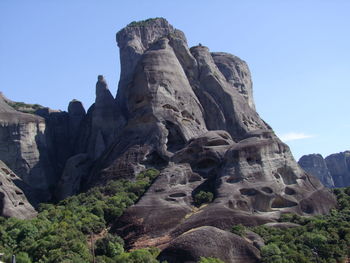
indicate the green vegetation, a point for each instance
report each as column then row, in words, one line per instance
column 143, row 22
column 238, row 230
column 203, row 197
column 323, row 239
column 24, row 107
column 210, row 260
column 62, row 232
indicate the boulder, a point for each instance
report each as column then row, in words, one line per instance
column 209, row 242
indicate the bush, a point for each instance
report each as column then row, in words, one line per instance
column 238, row 230
column 210, row 260
column 203, row 197
column 59, row 233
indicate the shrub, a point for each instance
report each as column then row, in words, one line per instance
column 238, row 230
column 210, row 260
column 203, row 197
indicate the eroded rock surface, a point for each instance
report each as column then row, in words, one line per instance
column 191, row 114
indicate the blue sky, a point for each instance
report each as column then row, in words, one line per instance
column 51, row 51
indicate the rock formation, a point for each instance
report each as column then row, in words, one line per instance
column 189, row 113
column 315, row 165
column 333, row 171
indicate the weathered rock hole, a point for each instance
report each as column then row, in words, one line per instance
column 20, row 203
column 5, row 170
column 307, row 208
column 267, row 190
column 289, row 191
column 205, row 164
column 186, row 114
column 233, row 180
column 217, row 142
column 18, row 192
column 280, row 202
column 243, row 205
column 177, row 195
column 276, row 175
column 12, row 175
column 252, row 160
column 194, row 178
column 153, row 159
column 170, row 107
column 158, row 190
column 175, row 138
column 287, row 174
column 248, row 191
column 225, row 136
column 170, row 199
column 139, row 101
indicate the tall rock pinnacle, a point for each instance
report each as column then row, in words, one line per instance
column 190, row 113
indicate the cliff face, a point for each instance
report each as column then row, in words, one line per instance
column 189, row 113
column 24, row 147
column 333, row 171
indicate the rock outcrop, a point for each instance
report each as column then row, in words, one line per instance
column 13, row 202
column 333, row 171
column 189, row 113
column 315, row 165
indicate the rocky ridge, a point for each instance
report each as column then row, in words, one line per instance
column 189, row 113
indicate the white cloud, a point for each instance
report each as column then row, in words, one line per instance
column 292, row 136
